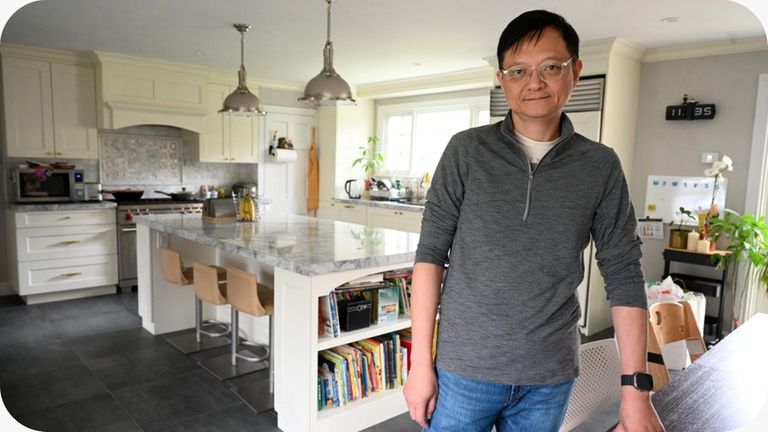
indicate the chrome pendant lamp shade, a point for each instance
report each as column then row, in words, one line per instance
column 327, row 88
column 242, row 101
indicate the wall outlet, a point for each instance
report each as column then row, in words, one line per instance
column 709, row 157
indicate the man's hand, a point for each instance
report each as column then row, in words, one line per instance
column 637, row 413
column 421, row 394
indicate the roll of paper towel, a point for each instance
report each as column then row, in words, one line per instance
column 283, row 155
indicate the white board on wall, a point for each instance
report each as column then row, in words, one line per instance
column 666, row 194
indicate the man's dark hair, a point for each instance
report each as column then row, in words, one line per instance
column 529, row 26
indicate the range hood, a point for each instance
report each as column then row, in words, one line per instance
column 132, row 91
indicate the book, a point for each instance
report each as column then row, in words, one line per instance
column 376, row 277
column 325, row 316
column 338, row 365
column 387, row 306
column 335, row 324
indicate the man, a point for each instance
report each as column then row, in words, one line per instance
column 515, row 204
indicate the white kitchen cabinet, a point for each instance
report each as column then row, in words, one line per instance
column 50, row 109
column 226, row 138
column 55, row 255
column 351, row 213
column 401, row 220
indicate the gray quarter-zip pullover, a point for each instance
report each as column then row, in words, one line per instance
column 516, row 238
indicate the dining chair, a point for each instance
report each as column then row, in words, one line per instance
column 597, row 386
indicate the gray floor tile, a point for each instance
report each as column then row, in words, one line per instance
column 44, row 390
column 401, row 423
column 92, row 324
column 33, row 358
column 119, row 342
column 98, row 413
column 236, row 418
column 79, row 308
column 28, row 330
column 140, row 367
column 173, row 400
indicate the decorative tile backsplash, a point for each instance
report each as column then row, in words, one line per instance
column 140, row 159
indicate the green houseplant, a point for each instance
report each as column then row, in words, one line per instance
column 370, row 160
column 747, row 237
column 678, row 237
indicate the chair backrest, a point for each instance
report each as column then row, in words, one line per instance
column 208, row 287
column 674, row 321
column 598, row 385
column 173, row 271
column 247, row 295
column 655, row 362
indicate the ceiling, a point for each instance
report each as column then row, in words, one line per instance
column 374, row 41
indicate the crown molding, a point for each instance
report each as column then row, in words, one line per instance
column 706, row 50
column 481, row 77
column 47, row 54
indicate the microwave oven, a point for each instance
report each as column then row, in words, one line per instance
column 48, row 185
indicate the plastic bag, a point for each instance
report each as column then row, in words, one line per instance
column 667, row 290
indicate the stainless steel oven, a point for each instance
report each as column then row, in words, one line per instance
column 126, row 231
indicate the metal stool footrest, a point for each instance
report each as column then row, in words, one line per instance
column 210, row 333
column 256, row 357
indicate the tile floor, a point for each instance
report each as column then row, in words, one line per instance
column 87, row 365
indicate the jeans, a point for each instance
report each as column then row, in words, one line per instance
column 469, row 405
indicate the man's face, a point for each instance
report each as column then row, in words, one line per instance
column 537, row 99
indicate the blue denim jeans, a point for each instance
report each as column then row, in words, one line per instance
column 469, row 405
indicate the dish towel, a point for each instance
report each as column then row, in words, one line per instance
column 313, row 178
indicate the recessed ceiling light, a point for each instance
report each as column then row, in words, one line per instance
column 201, row 53
column 416, row 64
column 671, row 19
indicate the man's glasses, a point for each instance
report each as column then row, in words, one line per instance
column 549, row 71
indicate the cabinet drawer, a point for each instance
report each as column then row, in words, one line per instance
column 34, row 244
column 65, row 218
column 37, row 277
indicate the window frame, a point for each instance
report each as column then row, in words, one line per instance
column 475, row 105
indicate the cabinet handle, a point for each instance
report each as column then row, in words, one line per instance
column 47, row 153
column 128, row 230
column 65, row 218
column 57, row 153
column 349, row 206
column 71, row 274
column 69, row 242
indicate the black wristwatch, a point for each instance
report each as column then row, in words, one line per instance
column 639, row 380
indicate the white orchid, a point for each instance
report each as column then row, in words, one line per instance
column 726, row 164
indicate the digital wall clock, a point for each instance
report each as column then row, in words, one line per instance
column 690, row 109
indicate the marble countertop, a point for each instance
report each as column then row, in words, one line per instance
column 300, row 244
column 407, row 206
column 64, row 206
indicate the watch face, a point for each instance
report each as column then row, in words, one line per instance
column 643, row 381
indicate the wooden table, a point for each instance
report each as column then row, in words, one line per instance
column 724, row 389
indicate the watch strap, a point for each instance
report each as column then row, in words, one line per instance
column 628, row 380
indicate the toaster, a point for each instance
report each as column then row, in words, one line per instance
column 92, row 191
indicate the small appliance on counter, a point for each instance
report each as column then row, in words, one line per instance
column 352, row 188
column 219, row 210
column 389, row 195
column 92, row 191
column 45, row 184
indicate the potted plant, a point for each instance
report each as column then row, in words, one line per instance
column 747, row 238
column 678, row 237
column 370, row 160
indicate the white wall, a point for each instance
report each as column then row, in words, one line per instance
column 674, row 147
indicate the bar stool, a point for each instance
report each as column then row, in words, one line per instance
column 248, row 296
column 211, row 286
column 202, row 339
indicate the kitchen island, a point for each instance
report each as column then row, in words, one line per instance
column 303, row 259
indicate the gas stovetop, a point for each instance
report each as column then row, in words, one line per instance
column 155, row 201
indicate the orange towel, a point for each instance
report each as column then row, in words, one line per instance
column 313, row 177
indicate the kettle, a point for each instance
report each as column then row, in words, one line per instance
column 352, row 188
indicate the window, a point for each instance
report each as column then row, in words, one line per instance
column 414, row 135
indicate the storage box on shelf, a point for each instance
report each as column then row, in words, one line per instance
column 55, row 255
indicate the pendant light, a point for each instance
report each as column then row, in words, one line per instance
column 242, row 101
column 327, row 88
